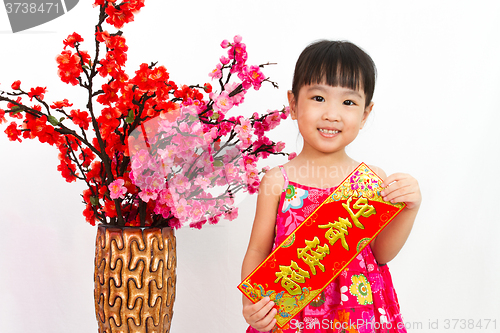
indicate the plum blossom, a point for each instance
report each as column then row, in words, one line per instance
column 116, row 189
column 232, row 214
column 181, row 209
column 196, row 212
column 244, row 129
column 236, row 98
column 279, row 146
column 202, row 181
column 223, row 103
column 179, row 183
column 140, row 160
column 16, row 85
column 216, row 73
column 272, row 120
column 232, row 172
column 251, row 76
column 148, row 194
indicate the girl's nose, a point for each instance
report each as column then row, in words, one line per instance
column 331, row 113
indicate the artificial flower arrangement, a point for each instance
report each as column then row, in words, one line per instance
column 152, row 152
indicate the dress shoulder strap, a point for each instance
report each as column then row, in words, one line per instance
column 284, row 176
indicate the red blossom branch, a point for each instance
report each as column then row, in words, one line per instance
column 101, row 155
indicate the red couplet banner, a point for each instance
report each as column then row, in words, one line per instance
column 323, row 245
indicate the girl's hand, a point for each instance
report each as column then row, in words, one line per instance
column 260, row 315
column 401, row 187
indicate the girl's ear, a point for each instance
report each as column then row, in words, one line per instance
column 292, row 104
column 367, row 112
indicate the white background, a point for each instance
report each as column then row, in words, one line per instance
column 436, row 116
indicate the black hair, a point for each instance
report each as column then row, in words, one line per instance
column 337, row 63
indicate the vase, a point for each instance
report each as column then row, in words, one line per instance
column 134, row 279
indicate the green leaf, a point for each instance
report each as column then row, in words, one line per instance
column 61, row 119
column 53, row 120
column 16, row 109
column 215, row 116
column 193, row 118
column 218, row 163
column 130, row 117
column 94, row 201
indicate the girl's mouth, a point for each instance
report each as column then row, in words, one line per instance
column 327, row 131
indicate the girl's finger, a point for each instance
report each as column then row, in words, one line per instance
column 406, row 197
column 263, row 311
column 271, row 324
column 398, row 186
column 393, row 178
column 251, row 310
column 394, row 193
column 267, row 323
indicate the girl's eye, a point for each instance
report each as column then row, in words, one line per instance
column 349, row 102
column 318, row 99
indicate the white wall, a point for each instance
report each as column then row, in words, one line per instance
column 436, row 116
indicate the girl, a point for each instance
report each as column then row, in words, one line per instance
column 330, row 98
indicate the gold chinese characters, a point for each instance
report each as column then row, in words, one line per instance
column 293, row 275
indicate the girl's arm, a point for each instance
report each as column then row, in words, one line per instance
column 399, row 187
column 261, row 314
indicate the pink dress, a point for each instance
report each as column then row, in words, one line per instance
column 361, row 299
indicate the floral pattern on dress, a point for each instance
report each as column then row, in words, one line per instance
column 294, row 198
column 362, row 296
column 342, row 322
column 361, row 289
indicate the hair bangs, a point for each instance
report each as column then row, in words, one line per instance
column 335, row 63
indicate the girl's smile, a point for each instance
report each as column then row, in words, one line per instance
column 328, row 133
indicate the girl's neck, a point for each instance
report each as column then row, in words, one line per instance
column 315, row 169
column 338, row 158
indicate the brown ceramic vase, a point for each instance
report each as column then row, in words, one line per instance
column 134, row 279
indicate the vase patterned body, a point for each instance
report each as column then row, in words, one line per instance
column 134, row 279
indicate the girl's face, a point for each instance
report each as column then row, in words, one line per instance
column 329, row 118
